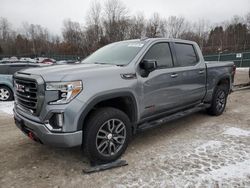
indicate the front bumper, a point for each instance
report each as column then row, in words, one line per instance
column 40, row 133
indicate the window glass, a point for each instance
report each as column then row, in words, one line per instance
column 16, row 67
column 185, row 54
column 3, row 69
column 161, row 53
column 119, row 53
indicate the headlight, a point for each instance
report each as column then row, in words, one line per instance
column 67, row 90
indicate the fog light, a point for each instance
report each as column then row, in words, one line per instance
column 56, row 121
column 59, row 120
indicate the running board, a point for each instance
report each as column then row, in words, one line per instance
column 155, row 123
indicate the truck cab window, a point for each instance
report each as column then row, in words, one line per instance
column 186, row 55
column 161, row 53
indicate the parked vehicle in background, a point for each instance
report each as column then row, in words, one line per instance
column 45, row 60
column 120, row 89
column 63, row 62
column 42, row 60
column 7, row 69
column 9, row 59
column 6, row 87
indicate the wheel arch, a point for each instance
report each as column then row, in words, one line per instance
column 8, row 86
column 226, row 80
column 124, row 101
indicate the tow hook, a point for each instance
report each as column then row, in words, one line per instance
column 31, row 136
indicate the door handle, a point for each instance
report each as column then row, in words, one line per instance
column 174, row 75
column 201, row 71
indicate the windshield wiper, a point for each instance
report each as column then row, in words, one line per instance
column 101, row 63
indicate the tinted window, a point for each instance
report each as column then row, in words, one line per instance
column 16, row 67
column 185, row 54
column 3, row 69
column 161, row 53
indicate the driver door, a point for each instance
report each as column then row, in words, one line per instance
column 160, row 88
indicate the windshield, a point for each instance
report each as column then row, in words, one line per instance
column 119, row 53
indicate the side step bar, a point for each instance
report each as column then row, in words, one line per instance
column 155, row 123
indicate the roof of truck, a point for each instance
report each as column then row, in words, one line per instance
column 168, row 39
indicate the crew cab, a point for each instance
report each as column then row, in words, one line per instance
column 119, row 90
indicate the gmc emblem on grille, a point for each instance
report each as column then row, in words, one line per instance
column 20, row 87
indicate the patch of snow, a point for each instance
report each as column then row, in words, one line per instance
column 236, row 132
column 238, row 170
column 7, row 107
column 212, row 144
column 242, row 69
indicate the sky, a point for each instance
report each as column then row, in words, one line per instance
column 51, row 13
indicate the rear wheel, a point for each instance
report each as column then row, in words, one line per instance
column 5, row 94
column 219, row 100
column 106, row 135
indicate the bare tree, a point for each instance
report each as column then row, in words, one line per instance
column 93, row 30
column 137, row 26
column 5, row 29
column 155, row 26
column 73, row 35
column 6, row 36
column 201, row 29
column 247, row 20
column 116, row 20
column 38, row 37
column 176, row 26
column 110, row 21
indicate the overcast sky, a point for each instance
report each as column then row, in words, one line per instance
column 51, row 13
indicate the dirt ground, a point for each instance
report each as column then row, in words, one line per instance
column 195, row 151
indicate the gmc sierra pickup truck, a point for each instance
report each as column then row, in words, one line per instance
column 120, row 89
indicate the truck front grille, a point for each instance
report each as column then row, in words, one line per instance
column 29, row 93
column 26, row 94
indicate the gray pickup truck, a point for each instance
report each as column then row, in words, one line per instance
column 120, row 89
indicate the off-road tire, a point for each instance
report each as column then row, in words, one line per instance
column 94, row 124
column 220, row 96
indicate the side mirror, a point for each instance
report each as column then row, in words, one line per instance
column 148, row 65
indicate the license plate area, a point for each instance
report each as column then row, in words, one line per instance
column 26, row 130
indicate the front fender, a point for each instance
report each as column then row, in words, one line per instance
column 102, row 97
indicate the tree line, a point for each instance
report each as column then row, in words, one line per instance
column 111, row 21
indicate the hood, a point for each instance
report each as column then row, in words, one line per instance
column 74, row 71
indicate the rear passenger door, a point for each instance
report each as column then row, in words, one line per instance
column 192, row 72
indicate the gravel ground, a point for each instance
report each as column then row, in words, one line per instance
column 195, row 151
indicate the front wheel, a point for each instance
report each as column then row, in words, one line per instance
column 5, row 94
column 107, row 134
column 219, row 101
